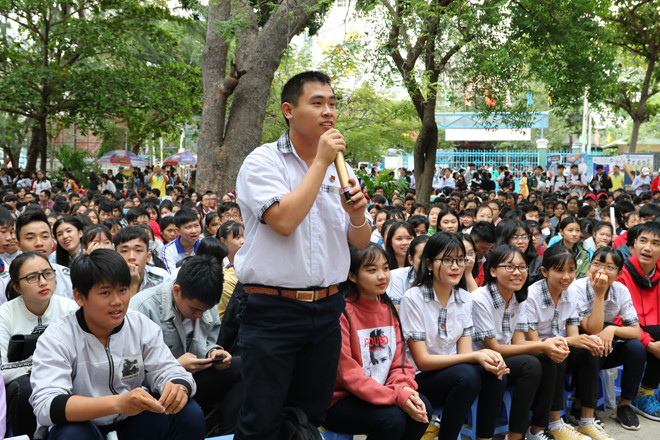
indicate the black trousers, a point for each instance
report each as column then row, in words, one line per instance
column 585, row 368
column 19, row 411
column 290, row 353
column 221, row 387
column 651, row 378
column 455, row 388
column 352, row 415
column 525, row 377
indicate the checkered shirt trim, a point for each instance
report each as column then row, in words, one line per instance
column 533, row 325
column 629, row 322
column 468, row 331
column 480, row 336
column 428, row 293
column 555, row 323
column 442, row 323
column 415, row 336
column 573, row 321
column 521, row 326
column 611, row 294
column 506, row 324
column 498, row 301
column 267, row 205
column 395, row 300
column 284, row 143
column 546, row 299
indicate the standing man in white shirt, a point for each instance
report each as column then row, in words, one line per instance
column 642, row 183
column 292, row 206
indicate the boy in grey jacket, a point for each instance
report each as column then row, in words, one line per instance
column 89, row 367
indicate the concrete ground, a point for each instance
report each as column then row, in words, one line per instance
column 649, row 429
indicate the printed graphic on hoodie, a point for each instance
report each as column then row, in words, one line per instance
column 377, row 346
column 130, row 367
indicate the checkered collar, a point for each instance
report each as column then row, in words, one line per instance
column 611, row 294
column 546, row 298
column 429, row 294
column 284, row 143
column 498, row 301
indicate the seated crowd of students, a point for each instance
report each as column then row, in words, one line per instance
column 120, row 314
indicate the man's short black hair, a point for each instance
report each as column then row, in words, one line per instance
column 30, row 215
column 226, row 206
column 134, row 213
column 483, row 232
column 184, row 216
column 106, row 206
column 201, row 278
column 6, row 220
column 599, row 167
column 294, row 87
column 649, row 210
column 101, row 266
column 574, row 166
column 47, row 192
column 652, row 227
column 130, row 233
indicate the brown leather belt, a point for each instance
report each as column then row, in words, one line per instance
column 300, row 295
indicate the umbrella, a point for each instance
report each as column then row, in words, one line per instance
column 123, row 158
column 181, row 159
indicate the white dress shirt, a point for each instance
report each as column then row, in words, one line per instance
column 492, row 319
column 316, row 254
column 424, row 319
column 617, row 302
column 541, row 314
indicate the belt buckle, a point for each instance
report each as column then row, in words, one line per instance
column 312, row 295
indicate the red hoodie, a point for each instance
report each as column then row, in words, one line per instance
column 371, row 336
column 645, row 300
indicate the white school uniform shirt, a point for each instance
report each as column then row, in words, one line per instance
column 424, row 319
column 316, row 253
column 541, row 314
column 578, row 178
column 401, row 280
column 491, row 317
column 618, row 301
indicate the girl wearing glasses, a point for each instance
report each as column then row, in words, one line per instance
column 601, row 300
column 517, row 233
column 551, row 311
column 31, row 283
column 498, row 322
column 436, row 317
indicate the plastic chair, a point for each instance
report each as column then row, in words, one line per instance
column 330, row 435
column 470, row 429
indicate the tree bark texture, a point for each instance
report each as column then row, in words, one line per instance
column 227, row 136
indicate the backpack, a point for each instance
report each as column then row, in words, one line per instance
column 296, row 426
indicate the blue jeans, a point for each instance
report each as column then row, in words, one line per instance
column 187, row 424
column 290, row 352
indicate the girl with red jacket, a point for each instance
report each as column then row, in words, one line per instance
column 375, row 392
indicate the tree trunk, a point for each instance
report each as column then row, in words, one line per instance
column 33, row 149
column 425, row 153
column 640, row 115
column 223, row 147
column 632, row 147
column 43, row 141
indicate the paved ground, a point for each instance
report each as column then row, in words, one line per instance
column 649, row 429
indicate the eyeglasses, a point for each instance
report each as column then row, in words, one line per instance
column 449, row 262
column 33, row 278
column 230, row 216
column 520, row 237
column 608, row 268
column 511, row 268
